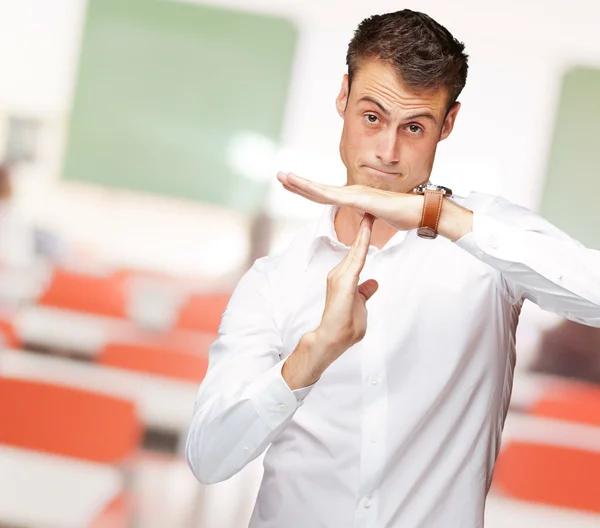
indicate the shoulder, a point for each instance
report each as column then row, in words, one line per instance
column 272, row 268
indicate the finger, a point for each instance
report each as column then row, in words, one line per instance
column 343, row 264
column 368, row 288
column 351, row 253
column 359, row 255
column 313, row 197
column 318, row 192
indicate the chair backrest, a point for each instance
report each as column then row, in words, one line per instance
column 570, row 401
column 202, row 313
column 101, row 295
column 549, row 474
column 67, row 421
column 185, row 366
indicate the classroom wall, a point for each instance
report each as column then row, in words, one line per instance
column 518, row 50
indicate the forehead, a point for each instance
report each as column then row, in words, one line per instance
column 378, row 80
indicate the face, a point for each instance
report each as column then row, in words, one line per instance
column 390, row 134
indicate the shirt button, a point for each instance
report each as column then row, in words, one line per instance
column 367, row 503
column 282, row 407
column 373, row 438
column 375, row 380
column 246, row 449
column 480, row 254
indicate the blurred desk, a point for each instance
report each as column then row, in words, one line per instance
column 162, row 403
column 84, row 335
column 24, row 285
column 539, row 430
column 65, row 330
column 40, row 490
column 503, row 513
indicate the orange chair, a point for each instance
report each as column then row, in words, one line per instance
column 155, row 360
column 67, row 421
column 570, row 401
column 72, row 423
column 203, row 313
column 8, row 334
column 552, row 475
column 100, row 295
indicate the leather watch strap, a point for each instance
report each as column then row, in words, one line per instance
column 432, row 209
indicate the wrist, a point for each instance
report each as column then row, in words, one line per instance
column 324, row 350
column 455, row 221
column 306, row 363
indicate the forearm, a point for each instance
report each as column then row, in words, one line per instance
column 537, row 260
column 307, row 362
column 235, row 421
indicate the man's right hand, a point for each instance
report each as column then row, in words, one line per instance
column 344, row 320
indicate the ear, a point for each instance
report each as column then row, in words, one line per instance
column 342, row 99
column 448, row 125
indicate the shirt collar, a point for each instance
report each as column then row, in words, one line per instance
column 325, row 229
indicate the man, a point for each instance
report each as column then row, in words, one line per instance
column 17, row 242
column 390, row 418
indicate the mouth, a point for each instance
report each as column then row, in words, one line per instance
column 383, row 174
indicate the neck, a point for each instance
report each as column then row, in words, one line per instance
column 347, row 222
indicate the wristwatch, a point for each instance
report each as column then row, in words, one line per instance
column 432, row 208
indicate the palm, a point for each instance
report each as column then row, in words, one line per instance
column 400, row 210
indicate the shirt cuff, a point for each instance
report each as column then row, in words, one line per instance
column 273, row 399
column 483, row 242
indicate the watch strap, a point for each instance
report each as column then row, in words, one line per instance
column 432, row 210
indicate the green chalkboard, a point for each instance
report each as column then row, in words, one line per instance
column 165, row 89
column 570, row 198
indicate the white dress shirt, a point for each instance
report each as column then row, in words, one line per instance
column 402, row 431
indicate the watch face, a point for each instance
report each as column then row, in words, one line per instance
column 420, row 189
column 426, row 232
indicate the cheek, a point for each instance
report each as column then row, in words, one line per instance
column 356, row 140
column 422, row 152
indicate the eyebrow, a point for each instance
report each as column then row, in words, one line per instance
column 368, row 99
column 425, row 115
column 386, row 112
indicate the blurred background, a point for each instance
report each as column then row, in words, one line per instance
column 139, row 142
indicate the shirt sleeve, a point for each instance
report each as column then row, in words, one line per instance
column 538, row 261
column 243, row 403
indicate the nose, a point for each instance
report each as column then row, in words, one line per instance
column 388, row 149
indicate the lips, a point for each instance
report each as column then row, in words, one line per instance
column 384, row 174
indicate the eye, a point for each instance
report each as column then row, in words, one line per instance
column 415, row 130
column 372, row 119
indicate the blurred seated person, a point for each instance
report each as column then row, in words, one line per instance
column 20, row 242
column 571, row 350
column 17, row 240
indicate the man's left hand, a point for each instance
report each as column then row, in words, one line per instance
column 401, row 210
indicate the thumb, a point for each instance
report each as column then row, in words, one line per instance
column 368, row 288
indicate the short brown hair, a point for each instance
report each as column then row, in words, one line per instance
column 423, row 52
